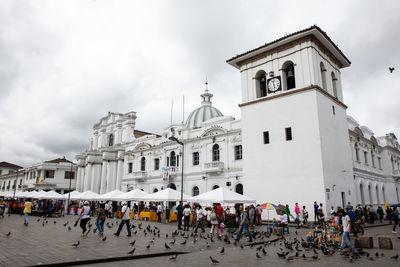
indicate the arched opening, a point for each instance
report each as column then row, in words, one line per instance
column 334, row 85
column 111, row 140
column 172, row 158
column 215, row 152
column 143, row 164
column 155, row 190
column 239, row 189
column 215, row 187
column 362, row 194
column 370, row 195
column 377, row 195
column 172, row 186
column 323, row 76
column 261, row 84
column 288, row 75
column 195, row 191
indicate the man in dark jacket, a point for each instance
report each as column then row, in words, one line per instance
column 179, row 208
column 243, row 224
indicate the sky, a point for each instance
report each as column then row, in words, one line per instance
column 66, row 64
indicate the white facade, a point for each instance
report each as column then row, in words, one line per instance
column 315, row 164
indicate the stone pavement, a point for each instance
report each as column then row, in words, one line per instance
column 52, row 243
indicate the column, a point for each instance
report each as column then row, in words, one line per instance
column 120, row 173
column 93, row 177
column 111, row 176
column 97, row 178
column 78, row 178
column 88, row 172
column 103, row 182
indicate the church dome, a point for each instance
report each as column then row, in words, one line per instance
column 203, row 113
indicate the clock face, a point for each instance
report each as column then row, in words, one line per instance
column 274, row 84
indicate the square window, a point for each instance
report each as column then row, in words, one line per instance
column 69, row 175
column 196, row 158
column 266, row 137
column 238, row 152
column 288, row 132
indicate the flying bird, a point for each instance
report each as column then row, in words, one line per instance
column 214, row 261
column 391, row 69
column 76, row 244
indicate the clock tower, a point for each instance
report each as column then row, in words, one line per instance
column 294, row 123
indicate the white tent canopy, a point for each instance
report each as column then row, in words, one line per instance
column 135, row 194
column 33, row 194
column 72, row 194
column 221, row 195
column 50, row 195
column 87, row 195
column 167, row 194
column 109, row 195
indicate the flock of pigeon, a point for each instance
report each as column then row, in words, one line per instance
column 284, row 248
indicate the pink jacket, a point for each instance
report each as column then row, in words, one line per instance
column 296, row 209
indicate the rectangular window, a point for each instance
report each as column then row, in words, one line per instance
column 333, row 110
column 266, row 137
column 156, row 164
column 288, row 132
column 167, row 161
column 49, row 174
column 238, row 152
column 196, row 158
column 366, row 157
column 130, row 167
column 69, row 175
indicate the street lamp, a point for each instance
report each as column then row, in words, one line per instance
column 172, row 138
column 69, row 189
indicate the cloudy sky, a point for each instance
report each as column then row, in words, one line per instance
column 65, row 64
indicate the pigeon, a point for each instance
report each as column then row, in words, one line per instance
column 241, row 246
column 76, row 244
column 184, row 242
column 69, row 228
column 65, row 224
column 214, row 261
column 207, row 245
column 264, row 252
column 259, row 248
column 174, row 257
column 258, row 256
column 104, row 239
column 140, row 226
column 148, row 246
column 172, row 242
column 315, row 257
column 38, row 220
column 8, row 234
column 166, row 246
column 133, row 242
column 132, row 251
column 222, row 250
column 54, row 222
column 391, row 69
column 395, row 257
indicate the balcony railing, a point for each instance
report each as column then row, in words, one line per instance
column 214, row 166
column 139, row 174
column 173, row 169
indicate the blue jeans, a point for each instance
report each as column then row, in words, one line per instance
column 128, row 227
column 100, row 225
column 26, row 218
column 246, row 227
column 346, row 235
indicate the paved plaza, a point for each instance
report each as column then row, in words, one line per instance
column 51, row 242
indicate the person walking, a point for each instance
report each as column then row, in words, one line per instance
column 243, row 224
column 316, row 215
column 214, row 221
column 379, row 211
column 84, row 217
column 125, row 219
column 346, row 230
column 287, row 212
column 396, row 218
column 179, row 209
column 199, row 222
column 27, row 210
column 186, row 213
column 101, row 217
column 251, row 216
column 297, row 211
column 159, row 212
column 304, row 215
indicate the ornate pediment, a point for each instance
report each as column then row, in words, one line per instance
column 213, row 130
column 142, row 146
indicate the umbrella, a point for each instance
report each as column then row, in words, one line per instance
column 221, row 195
column 135, row 194
column 268, row 207
column 395, row 205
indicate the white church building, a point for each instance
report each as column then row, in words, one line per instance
column 294, row 142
